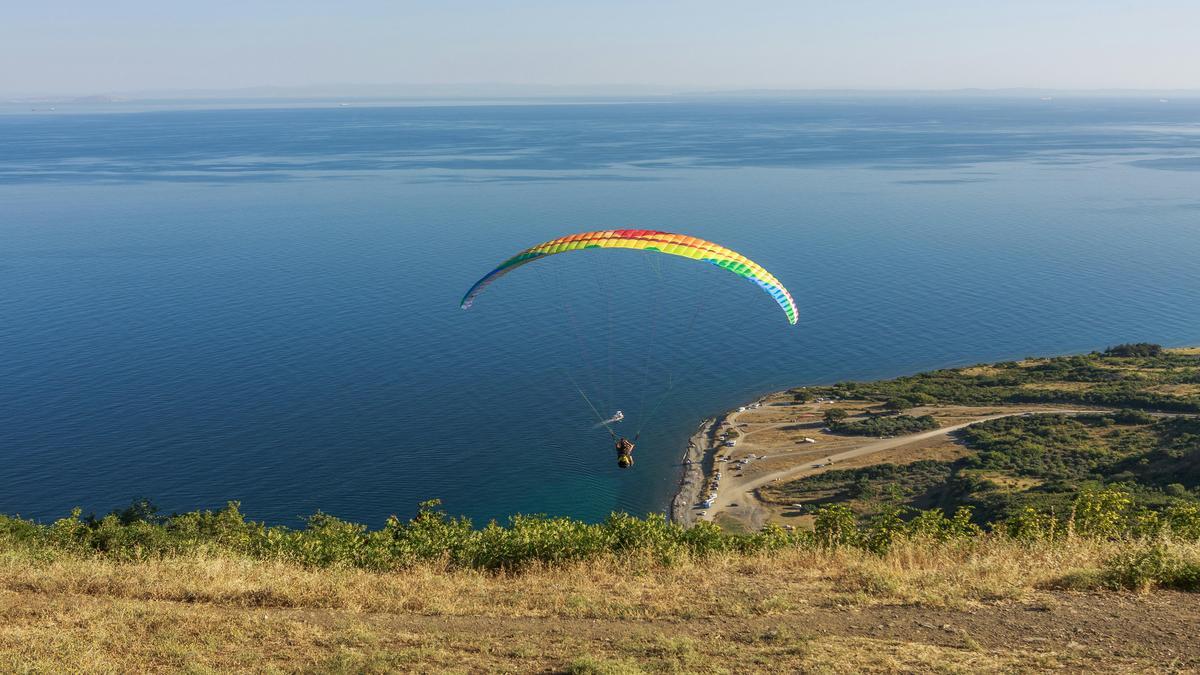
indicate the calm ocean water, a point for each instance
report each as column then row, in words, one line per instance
column 261, row 305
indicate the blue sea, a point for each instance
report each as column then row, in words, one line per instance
column 262, row 304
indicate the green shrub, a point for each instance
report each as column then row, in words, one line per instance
column 1135, row 349
column 433, row 537
column 1152, row 567
column 886, row 426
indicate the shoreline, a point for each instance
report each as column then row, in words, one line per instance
column 700, row 451
column 693, row 475
column 699, row 460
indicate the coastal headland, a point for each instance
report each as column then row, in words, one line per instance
column 746, row 467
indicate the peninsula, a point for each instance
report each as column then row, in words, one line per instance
column 997, row 437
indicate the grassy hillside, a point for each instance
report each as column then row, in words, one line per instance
column 212, row 592
column 1142, row 377
column 851, row 598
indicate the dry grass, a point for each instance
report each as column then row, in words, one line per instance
column 795, row 610
column 981, row 371
column 1059, row 386
column 1176, row 389
column 1009, row 482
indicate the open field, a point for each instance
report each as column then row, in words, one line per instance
column 997, row 606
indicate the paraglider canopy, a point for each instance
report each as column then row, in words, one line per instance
column 646, row 240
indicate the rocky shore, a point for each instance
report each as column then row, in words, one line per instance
column 699, row 452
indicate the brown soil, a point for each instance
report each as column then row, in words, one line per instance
column 1106, row 632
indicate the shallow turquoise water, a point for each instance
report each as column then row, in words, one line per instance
column 262, row 304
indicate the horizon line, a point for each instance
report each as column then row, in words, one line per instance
column 502, row 90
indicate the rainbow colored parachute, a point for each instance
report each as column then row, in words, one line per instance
column 646, row 240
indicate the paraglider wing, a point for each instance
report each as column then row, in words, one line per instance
column 646, row 240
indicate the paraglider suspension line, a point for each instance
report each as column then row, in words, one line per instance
column 590, row 405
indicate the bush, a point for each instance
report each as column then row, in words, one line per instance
column 1102, row 514
column 1143, row 349
column 834, row 416
column 1152, row 567
column 1176, row 490
column 886, row 426
column 431, row 537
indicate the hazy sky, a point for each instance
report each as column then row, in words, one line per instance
column 92, row 46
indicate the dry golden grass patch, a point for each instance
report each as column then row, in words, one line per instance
column 1009, row 482
column 1176, row 389
column 126, row 636
column 981, row 371
column 795, row 610
column 912, row 573
column 940, row 449
column 1059, row 386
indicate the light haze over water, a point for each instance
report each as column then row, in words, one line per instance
column 262, row 304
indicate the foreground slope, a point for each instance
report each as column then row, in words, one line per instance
column 996, row 607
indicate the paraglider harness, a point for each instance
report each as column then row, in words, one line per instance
column 624, row 452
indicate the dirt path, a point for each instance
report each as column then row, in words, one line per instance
column 1101, row 632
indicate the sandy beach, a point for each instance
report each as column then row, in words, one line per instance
column 699, row 460
column 698, row 453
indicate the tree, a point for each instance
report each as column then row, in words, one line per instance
column 1135, row 349
column 835, row 415
column 1177, row 490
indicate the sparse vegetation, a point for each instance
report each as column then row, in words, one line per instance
column 1126, row 376
column 1147, row 443
column 1038, row 461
